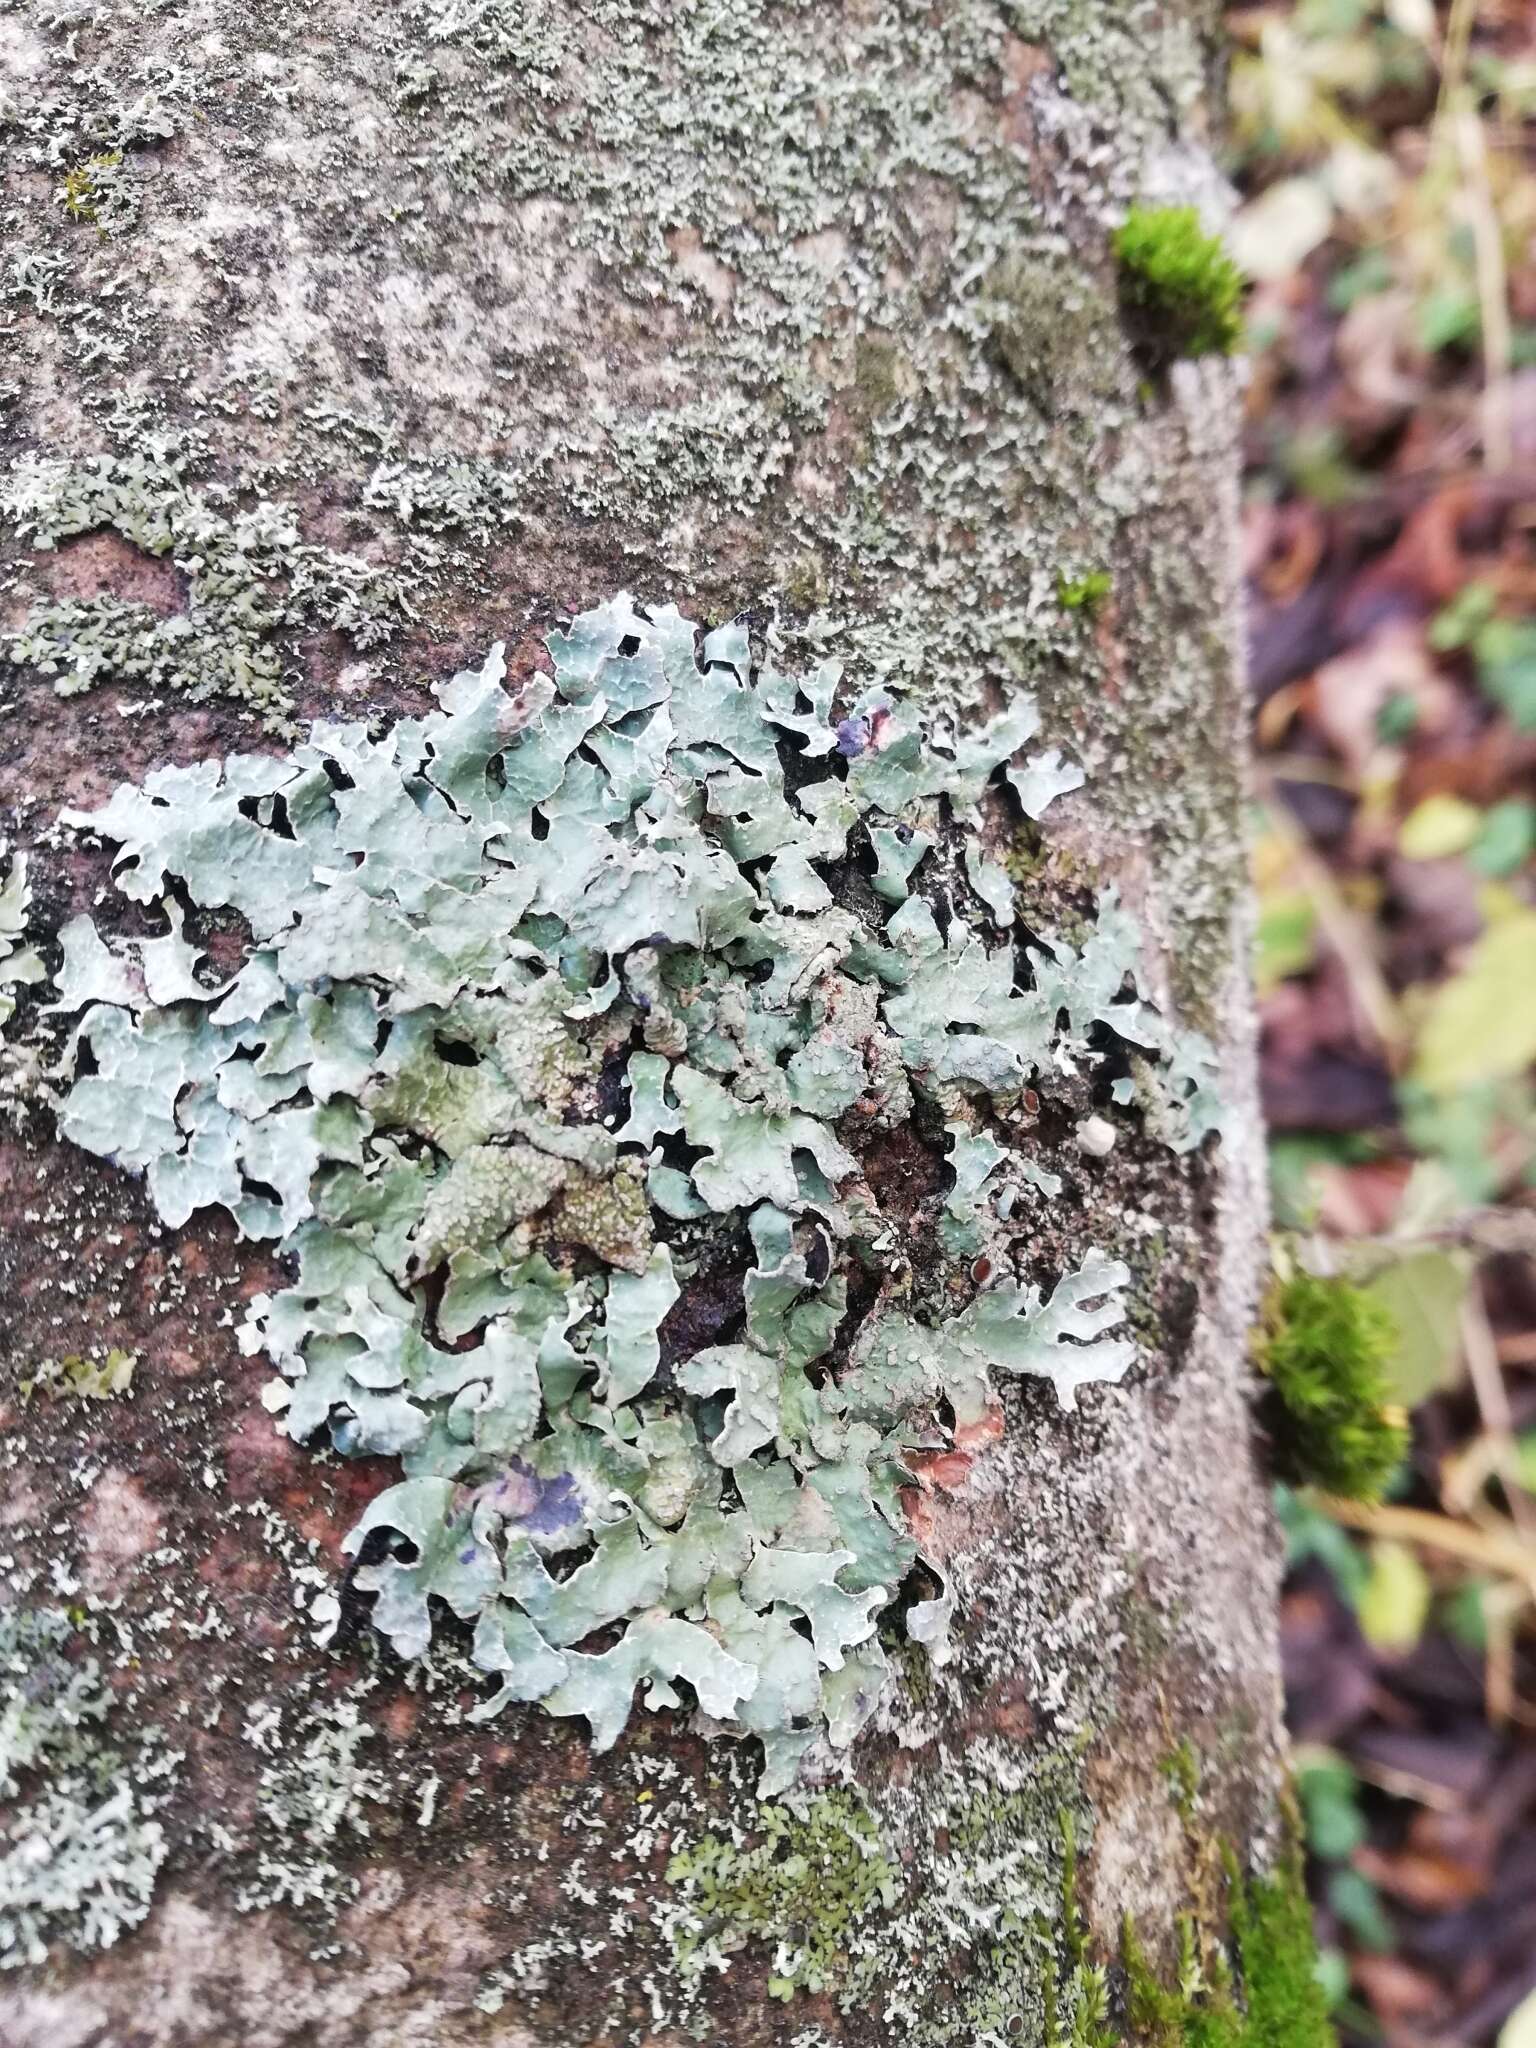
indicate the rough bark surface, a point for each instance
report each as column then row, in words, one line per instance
column 354, row 339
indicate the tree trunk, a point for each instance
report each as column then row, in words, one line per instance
column 344, row 343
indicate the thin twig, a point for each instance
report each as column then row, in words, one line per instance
column 1492, row 287
column 1457, row 118
column 1346, row 933
column 1493, row 1406
column 1505, row 1555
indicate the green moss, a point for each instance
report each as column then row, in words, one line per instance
column 807, row 1886
column 1324, row 1350
column 1076, row 1997
column 1085, row 593
column 1269, row 1995
column 1180, row 283
column 1181, row 1767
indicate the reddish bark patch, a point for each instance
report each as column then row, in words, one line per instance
column 903, row 1172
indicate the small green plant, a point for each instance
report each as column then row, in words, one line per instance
column 1329, row 1793
column 1324, row 1350
column 1179, row 282
column 1076, row 2007
column 1503, row 650
column 1084, row 593
column 1272, row 1998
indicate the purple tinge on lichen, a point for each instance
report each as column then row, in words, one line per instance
column 852, row 737
column 538, row 1506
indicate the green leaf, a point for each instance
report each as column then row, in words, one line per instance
column 1482, row 1022
column 1505, row 650
column 1424, row 1293
column 1439, row 827
column 1507, row 838
column 1394, row 1605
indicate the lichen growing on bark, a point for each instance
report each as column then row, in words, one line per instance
column 408, row 298
column 804, row 1888
column 416, row 1105
column 250, row 576
column 80, row 1845
column 20, row 964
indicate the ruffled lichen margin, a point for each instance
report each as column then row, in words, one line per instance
column 551, row 999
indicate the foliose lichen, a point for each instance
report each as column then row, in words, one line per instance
column 311, row 1800
column 20, row 964
column 250, row 576
column 556, row 998
column 805, row 1886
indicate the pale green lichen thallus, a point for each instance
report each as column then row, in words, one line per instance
column 555, row 999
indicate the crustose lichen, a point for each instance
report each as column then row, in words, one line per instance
column 554, row 1001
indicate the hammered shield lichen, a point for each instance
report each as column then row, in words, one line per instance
column 557, row 1000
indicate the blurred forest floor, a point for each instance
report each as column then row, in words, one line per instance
column 1386, row 153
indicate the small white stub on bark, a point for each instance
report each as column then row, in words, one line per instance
column 1096, row 1137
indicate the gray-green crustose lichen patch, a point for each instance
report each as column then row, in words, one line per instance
column 250, row 577
column 80, row 1846
column 554, row 1000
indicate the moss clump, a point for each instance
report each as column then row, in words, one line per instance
column 806, row 1886
column 1271, row 1998
column 1181, row 1767
column 1076, row 1996
column 1324, row 1350
column 1084, row 593
column 1179, row 282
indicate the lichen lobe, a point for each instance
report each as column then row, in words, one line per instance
column 548, row 1002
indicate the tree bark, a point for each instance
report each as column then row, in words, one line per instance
column 342, row 343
